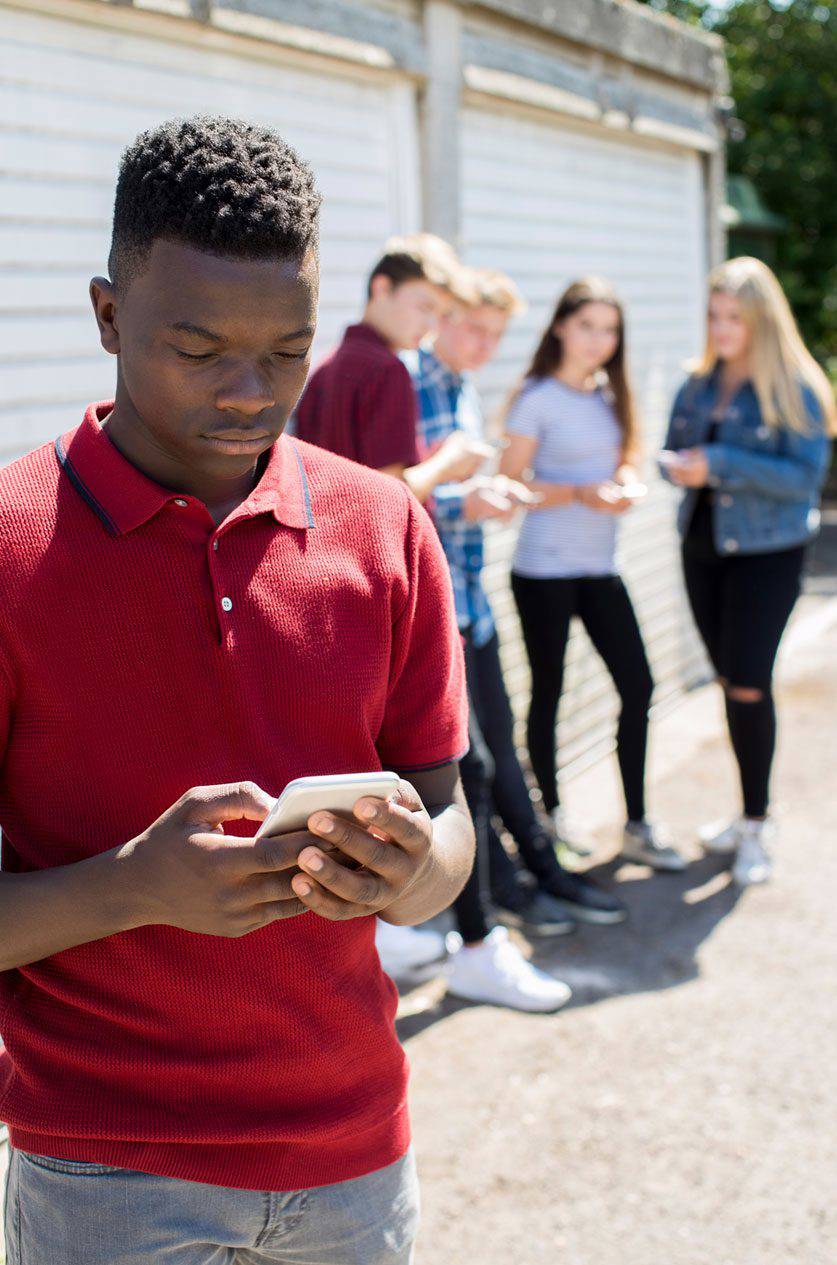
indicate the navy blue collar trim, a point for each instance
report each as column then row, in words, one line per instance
column 306, row 491
column 82, row 488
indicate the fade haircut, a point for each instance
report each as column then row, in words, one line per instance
column 224, row 186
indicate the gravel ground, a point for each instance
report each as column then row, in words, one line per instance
column 682, row 1109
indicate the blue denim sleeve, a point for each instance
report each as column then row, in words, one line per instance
column 669, row 439
column 448, row 503
column 795, row 472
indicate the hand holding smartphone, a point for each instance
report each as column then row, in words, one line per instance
column 668, row 459
column 633, row 491
column 336, row 793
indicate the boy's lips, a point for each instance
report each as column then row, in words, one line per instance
column 237, row 432
column 237, row 440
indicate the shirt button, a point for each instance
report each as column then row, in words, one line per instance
column 726, row 500
column 215, row 544
column 226, row 603
column 178, row 500
column 731, row 545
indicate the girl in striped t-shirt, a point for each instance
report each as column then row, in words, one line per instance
column 572, row 425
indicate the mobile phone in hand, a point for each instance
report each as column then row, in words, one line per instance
column 633, row 491
column 335, row 793
column 667, row 458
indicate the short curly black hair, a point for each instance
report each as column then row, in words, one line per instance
column 222, row 185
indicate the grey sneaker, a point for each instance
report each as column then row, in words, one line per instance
column 721, row 837
column 650, row 845
column 569, row 832
column 753, row 863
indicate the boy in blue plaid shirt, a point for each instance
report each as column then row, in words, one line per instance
column 469, row 335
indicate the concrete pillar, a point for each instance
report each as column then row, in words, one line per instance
column 715, row 196
column 715, row 166
column 439, row 120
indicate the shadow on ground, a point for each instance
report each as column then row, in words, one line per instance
column 669, row 917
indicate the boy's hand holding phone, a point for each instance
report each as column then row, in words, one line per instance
column 183, row 871
column 391, row 840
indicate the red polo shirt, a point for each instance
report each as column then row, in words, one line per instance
column 361, row 403
column 144, row 651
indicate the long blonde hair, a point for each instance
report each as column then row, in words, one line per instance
column 780, row 361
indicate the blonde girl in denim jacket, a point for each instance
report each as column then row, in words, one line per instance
column 748, row 441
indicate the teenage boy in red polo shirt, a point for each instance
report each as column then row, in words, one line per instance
column 359, row 402
column 201, row 1062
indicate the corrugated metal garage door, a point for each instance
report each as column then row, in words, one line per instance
column 548, row 203
column 71, row 97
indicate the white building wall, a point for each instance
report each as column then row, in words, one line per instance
column 72, row 96
column 548, row 201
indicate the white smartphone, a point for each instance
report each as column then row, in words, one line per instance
column 668, row 458
column 632, row 491
column 335, row 792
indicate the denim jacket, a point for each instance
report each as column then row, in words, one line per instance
column 767, row 479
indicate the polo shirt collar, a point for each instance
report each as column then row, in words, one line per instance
column 365, row 333
column 124, row 498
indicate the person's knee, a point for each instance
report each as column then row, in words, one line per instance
column 743, row 694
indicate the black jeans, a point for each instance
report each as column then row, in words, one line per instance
column 741, row 606
column 476, row 769
column 546, row 607
column 509, row 796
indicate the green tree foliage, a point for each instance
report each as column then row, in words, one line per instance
column 782, row 56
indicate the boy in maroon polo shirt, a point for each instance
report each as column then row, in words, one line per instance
column 359, row 402
column 201, row 1063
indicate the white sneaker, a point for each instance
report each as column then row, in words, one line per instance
column 405, row 949
column 569, row 832
column 753, row 863
column 650, row 845
column 721, row 837
column 496, row 972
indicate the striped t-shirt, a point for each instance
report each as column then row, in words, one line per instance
column 579, row 441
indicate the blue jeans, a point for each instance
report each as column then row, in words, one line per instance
column 64, row 1212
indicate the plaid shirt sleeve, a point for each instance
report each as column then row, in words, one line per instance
column 440, row 398
column 448, row 503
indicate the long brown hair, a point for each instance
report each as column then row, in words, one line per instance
column 550, row 352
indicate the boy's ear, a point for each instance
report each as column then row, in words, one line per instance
column 380, row 286
column 103, row 298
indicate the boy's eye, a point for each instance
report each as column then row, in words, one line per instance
column 209, row 355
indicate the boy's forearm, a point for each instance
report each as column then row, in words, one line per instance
column 423, row 478
column 46, row 911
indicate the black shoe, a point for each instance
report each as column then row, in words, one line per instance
column 534, row 912
column 582, row 899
